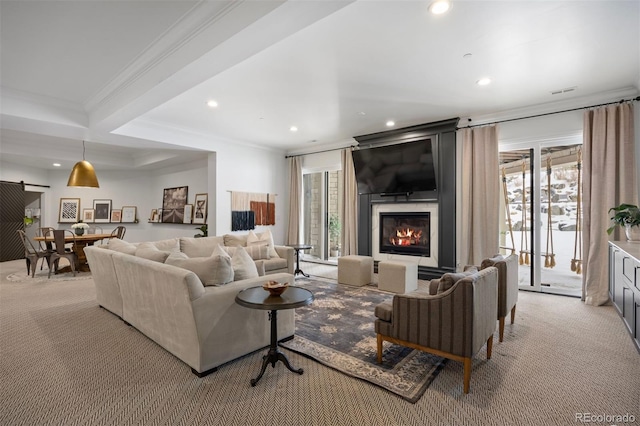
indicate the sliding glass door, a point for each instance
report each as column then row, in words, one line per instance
column 321, row 215
column 542, row 214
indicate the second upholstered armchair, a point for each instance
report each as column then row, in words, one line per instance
column 455, row 322
column 507, row 286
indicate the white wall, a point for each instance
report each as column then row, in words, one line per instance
column 245, row 169
column 232, row 168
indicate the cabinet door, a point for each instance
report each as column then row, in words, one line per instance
column 629, row 310
column 618, row 279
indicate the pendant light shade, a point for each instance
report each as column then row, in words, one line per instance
column 83, row 174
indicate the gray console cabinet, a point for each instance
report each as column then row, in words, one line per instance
column 624, row 284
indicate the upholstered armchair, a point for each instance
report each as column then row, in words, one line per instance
column 454, row 323
column 507, row 286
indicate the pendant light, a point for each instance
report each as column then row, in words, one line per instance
column 83, row 174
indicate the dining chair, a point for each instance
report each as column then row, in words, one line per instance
column 59, row 236
column 32, row 255
column 119, row 232
column 95, row 229
column 45, row 232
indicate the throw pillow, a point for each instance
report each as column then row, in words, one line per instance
column 243, row 266
column 449, row 279
column 261, row 238
column 214, row 270
column 259, row 251
column 491, row 261
column 122, row 246
column 151, row 252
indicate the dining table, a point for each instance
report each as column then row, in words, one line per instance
column 79, row 243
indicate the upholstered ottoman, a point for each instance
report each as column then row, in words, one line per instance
column 397, row 277
column 355, row 270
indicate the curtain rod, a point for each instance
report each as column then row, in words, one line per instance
column 636, row 99
column 319, row 152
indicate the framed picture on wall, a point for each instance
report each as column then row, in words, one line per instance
column 188, row 212
column 159, row 215
column 129, row 214
column 173, row 202
column 153, row 216
column 200, row 209
column 69, row 210
column 102, row 211
column 116, row 215
column 87, row 215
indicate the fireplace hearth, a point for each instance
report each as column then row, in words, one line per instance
column 405, row 233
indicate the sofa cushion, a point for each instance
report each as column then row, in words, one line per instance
column 151, row 252
column 491, row 261
column 449, row 279
column 243, row 266
column 122, row 246
column 262, row 238
column 274, row 264
column 171, row 245
column 231, row 240
column 199, row 247
column 214, row 270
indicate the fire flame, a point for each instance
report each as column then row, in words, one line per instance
column 406, row 237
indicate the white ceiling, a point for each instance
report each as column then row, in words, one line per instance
column 133, row 77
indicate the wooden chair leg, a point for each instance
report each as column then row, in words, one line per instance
column 379, row 348
column 513, row 314
column 467, row 374
column 501, row 327
column 489, row 346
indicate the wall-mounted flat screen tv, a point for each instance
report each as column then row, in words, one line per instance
column 394, row 169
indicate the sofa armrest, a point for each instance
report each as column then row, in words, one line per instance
column 289, row 254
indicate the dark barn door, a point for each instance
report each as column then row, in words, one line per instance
column 11, row 219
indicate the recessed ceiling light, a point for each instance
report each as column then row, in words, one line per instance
column 293, row 128
column 467, row 56
column 362, row 113
column 483, row 81
column 391, row 123
column 439, row 7
column 212, row 104
column 56, row 164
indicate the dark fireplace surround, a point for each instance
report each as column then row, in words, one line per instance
column 443, row 136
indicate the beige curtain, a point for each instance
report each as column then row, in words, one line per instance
column 480, row 195
column 350, row 205
column 295, row 199
column 609, row 180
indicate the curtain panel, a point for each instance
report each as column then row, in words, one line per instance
column 295, row 200
column 609, row 180
column 350, row 205
column 480, row 195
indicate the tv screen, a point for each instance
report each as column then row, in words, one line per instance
column 393, row 169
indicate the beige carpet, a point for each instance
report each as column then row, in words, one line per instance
column 64, row 361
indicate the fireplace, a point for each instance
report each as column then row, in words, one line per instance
column 405, row 233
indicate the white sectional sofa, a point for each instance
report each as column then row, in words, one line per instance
column 201, row 325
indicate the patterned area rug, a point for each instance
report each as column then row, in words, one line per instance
column 337, row 330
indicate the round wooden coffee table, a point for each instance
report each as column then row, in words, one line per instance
column 258, row 298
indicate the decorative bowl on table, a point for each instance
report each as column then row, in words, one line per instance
column 275, row 288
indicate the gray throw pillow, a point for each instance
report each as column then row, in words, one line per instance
column 449, row 279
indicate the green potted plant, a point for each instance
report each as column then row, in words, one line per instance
column 204, row 229
column 334, row 235
column 626, row 215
